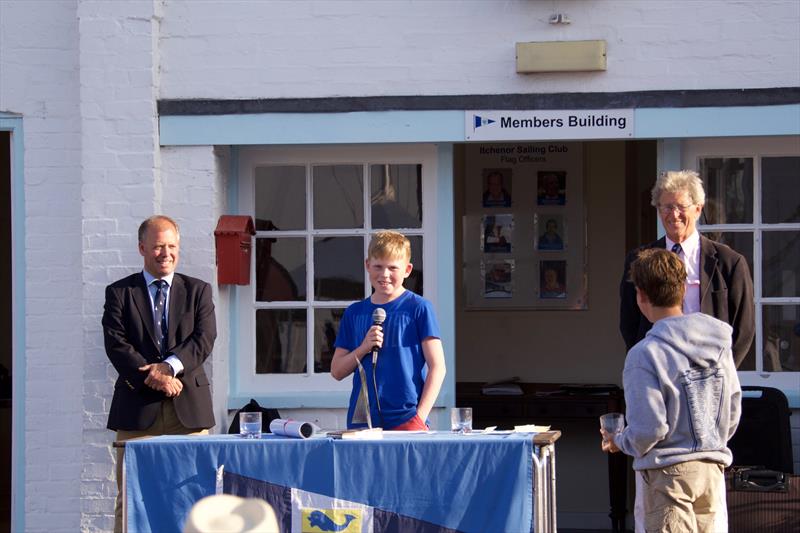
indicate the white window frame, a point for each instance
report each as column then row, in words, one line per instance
column 756, row 148
column 245, row 382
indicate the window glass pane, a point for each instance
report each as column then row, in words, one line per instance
column 338, row 196
column 280, row 341
column 728, row 183
column 326, row 327
column 414, row 281
column 339, row 268
column 781, row 263
column 781, row 338
column 280, row 198
column 780, row 189
column 280, row 269
column 396, row 196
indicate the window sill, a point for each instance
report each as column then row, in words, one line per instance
column 293, row 399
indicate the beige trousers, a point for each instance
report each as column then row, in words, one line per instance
column 683, row 497
column 166, row 423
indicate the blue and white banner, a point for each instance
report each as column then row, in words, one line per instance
column 425, row 483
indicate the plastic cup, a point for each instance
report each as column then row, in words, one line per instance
column 250, row 425
column 461, row 419
column 612, row 422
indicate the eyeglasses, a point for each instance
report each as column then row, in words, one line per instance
column 670, row 208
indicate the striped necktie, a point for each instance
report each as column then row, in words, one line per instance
column 159, row 320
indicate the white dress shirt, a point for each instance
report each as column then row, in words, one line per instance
column 690, row 255
column 172, row 359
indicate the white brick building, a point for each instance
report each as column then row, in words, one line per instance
column 113, row 111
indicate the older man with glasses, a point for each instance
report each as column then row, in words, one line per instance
column 718, row 279
column 719, row 282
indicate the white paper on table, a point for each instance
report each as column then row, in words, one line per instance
column 531, row 428
column 292, row 428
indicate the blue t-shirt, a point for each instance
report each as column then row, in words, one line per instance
column 400, row 372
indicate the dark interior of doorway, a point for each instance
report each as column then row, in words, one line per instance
column 5, row 330
column 641, row 221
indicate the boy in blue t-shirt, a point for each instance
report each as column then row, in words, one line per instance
column 405, row 380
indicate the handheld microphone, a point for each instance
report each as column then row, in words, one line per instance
column 378, row 316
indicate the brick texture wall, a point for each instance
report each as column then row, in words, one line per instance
column 347, row 48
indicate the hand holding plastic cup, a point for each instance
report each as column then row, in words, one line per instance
column 612, row 423
column 461, row 419
column 250, row 425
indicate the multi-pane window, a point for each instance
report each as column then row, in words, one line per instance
column 314, row 220
column 753, row 205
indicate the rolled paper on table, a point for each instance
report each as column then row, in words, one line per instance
column 291, row 428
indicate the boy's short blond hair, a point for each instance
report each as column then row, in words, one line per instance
column 391, row 245
column 660, row 275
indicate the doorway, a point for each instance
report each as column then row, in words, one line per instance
column 5, row 330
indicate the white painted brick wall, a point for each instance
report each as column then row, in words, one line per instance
column 403, row 47
column 39, row 80
column 193, row 181
column 121, row 186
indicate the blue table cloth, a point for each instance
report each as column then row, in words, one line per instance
column 424, row 482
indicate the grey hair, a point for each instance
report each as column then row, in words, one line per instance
column 679, row 180
column 157, row 220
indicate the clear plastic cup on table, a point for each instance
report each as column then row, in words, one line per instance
column 461, row 419
column 250, row 425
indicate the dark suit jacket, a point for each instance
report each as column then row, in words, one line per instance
column 130, row 343
column 726, row 293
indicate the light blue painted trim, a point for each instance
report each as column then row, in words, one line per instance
column 664, row 123
column 668, row 157
column 13, row 123
column 313, row 128
column 306, row 400
column 448, row 126
column 794, row 399
column 445, row 280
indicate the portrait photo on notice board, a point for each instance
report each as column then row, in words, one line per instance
column 551, row 186
column 552, row 279
column 496, row 187
column 498, row 278
column 497, row 231
column 551, row 232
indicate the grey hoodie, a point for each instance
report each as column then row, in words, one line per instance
column 682, row 394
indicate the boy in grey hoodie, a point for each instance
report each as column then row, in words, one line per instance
column 683, row 401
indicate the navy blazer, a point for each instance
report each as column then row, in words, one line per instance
column 726, row 293
column 130, row 343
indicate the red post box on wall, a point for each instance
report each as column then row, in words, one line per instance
column 234, row 236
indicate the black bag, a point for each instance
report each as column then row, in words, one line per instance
column 764, row 436
column 759, row 480
column 754, row 509
column 267, row 416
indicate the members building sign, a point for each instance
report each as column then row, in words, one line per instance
column 548, row 125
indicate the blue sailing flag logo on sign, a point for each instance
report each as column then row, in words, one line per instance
column 322, row 521
column 479, row 121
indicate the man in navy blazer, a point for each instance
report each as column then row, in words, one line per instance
column 162, row 387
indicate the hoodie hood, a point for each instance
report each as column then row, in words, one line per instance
column 699, row 337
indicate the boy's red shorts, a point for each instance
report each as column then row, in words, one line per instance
column 415, row 424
